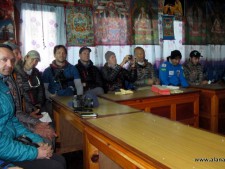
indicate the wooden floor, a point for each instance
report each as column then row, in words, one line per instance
column 74, row 160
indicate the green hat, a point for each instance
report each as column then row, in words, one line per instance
column 34, row 54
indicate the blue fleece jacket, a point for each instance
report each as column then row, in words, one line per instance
column 11, row 128
column 170, row 74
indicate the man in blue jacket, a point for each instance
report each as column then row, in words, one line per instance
column 11, row 149
column 171, row 71
column 61, row 78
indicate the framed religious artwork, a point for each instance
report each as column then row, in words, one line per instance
column 195, row 23
column 168, row 27
column 79, row 26
column 7, row 30
column 174, row 7
column 144, row 15
column 112, row 22
column 7, row 25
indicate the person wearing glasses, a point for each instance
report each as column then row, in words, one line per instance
column 61, row 78
column 31, row 89
column 12, row 150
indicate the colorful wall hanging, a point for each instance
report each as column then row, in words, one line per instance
column 168, row 27
column 144, row 22
column 174, row 7
column 195, row 23
column 112, row 22
column 7, row 28
column 79, row 26
column 215, row 22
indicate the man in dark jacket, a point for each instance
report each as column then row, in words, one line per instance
column 193, row 70
column 89, row 74
column 115, row 75
column 28, row 79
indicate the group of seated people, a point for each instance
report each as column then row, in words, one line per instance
column 25, row 92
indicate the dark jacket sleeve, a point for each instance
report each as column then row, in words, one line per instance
column 130, row 76
column 110, row 74
column 97, row 79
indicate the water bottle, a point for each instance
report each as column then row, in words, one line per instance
column 75, row 102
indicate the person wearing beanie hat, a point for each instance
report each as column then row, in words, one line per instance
column 193, row 69
column 89, row 74
column 171, row 71
column 16, row 50
column 108, row 54
column 115, row 75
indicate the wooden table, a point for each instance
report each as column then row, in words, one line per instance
column 143, row 140
column 212, row 107
column 69, row 126
column 183, row 107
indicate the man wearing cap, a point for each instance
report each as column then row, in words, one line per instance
column 61, row 78
column 115, row 75
column 171, row 71
column 16, row 50
column 31, row 90
column 89, row 74
column 193, row 70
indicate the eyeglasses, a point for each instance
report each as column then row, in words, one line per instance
column 34, row 86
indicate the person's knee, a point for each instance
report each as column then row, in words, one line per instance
column 59, row 160
column 56, row 165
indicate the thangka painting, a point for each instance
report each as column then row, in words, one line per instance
column 112, row 22
column 144, row 22
column 195, row 23
column 160, row 6
column 79, row 26
column 215, row 22
column 174, row 7
column 168, row 27
column 7, row 20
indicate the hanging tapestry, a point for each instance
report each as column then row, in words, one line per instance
column 215, row 22
column 112, row 22
column 79, row 26
column 160, row 6
column 174, row 7
column 195, row 23
column 7, row 31
column 167, row 27
column 145, row 22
